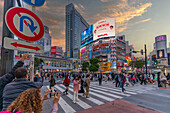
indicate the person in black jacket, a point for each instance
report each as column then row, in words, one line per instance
column 158, row 79
column 7, row 78
column 82, row 85
column 100, row 79
column 52, row 81
column 20, row 84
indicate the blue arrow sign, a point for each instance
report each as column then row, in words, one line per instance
column 35, row 2
column 32, row 27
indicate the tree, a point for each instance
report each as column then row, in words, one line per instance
column 137, row 64
column 94, row 66
column 37, row 62
column 84, row 66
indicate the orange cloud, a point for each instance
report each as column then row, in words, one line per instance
column 59, row 42
column 123, row 12
column 142, row 21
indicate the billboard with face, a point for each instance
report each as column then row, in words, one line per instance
column 160, row 54
column 104, row 28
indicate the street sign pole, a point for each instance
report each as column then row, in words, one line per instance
column 6, row 55
column 32, row 58
column 146, row 59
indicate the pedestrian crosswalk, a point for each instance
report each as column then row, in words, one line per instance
column 98, row 95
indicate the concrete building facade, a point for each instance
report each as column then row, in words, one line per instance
column 75, row 24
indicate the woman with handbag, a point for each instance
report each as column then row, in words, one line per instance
column 66, row 83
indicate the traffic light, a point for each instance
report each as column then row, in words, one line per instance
column 141, row 51
column 155, row 62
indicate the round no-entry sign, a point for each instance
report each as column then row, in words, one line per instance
column 24, row 24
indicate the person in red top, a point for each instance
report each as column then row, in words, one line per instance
column 66, row 83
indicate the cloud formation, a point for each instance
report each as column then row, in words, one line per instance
column 52, row 13
column 123, row 12
column 142, row 21
column 105, row 0
column 53, row 17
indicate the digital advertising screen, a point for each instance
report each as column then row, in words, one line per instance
column 87, row 36
column 160, row 54
column 104, row 28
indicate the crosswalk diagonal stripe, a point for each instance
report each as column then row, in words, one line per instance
column 114, row 89
column 112, row 95
column 65, row 106
column 98, row 102
column 98, row 95
column 80, row 103
column 110, row 91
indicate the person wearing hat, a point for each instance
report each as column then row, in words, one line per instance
column 122, row 82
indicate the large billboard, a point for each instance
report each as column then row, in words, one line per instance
column 160, row 54
column 87, row 36
column 56, row 50
column 104, row 28
column 161, row 46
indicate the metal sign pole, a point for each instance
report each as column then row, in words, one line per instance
column 32, row 58
column 6, row 55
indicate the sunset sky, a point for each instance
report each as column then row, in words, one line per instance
column 139, row 20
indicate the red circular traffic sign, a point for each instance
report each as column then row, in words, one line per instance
column 22, row 12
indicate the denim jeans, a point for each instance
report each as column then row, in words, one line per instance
column 75, row 97
column 122, row 86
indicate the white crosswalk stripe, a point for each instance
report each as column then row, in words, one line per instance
column 91, row 99
column 65, row 106
column 98, row 95
column 81, row 103
column 118, row 89
column 100, row 91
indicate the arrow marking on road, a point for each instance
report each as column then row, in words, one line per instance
column 15, row 44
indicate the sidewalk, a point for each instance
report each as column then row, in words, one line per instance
column 118, row 106
column 167, row 88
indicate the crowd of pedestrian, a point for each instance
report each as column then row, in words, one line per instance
column 18, row 94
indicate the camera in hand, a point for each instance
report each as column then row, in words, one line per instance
column 53, row 94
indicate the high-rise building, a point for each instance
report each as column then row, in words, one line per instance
column 75, row 25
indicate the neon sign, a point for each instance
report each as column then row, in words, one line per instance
column 159, row 38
